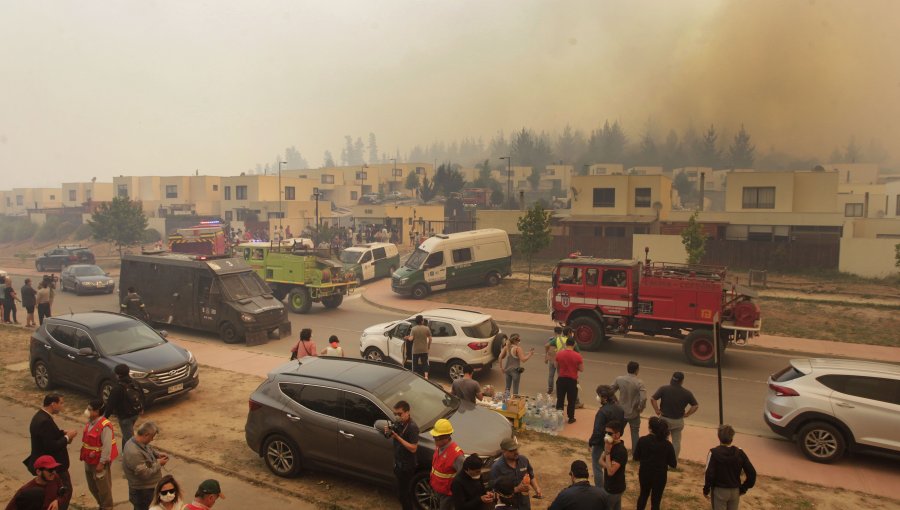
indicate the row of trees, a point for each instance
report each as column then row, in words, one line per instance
column 609, row 143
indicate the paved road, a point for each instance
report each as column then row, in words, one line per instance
column 744, row 382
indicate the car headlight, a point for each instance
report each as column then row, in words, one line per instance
column 246, row 317
column 403, row 281
column 110, row 282
column 191, row 359
column 136, row 374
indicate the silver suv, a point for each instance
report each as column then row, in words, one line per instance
column 832, row 405
column 329, row 413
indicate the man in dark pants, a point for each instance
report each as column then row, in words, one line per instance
column 48, row 439
column 118, row 404
column 133, row 305
column 406, row 442
column 723, row 473
column 467, row 487
column 568, row 363
column 670, row 402
column 581, row 495
column 609, row 411
column 613, row 461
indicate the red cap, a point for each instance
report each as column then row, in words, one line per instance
column 46, row 462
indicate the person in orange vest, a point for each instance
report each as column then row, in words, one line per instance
column 98, row 450
column 447, row 461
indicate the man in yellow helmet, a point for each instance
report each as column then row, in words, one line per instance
column 448, row 460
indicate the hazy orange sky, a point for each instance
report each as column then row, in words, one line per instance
column 97, row 89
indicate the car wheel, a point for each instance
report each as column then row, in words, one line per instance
column 104, row 391
column 492, row 279
column 77, row 290
column 333, row 301
column 279, row 292
column 282, row 456
column 423, row 495
column 373, row 354
column 42, row 376
column 821, row 442
column 699, row 348
column 298, row 300
column 229, row 333
column 455, row 369
column 589, row 335
column 420, row 291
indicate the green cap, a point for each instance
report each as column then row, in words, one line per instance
column 211, row 487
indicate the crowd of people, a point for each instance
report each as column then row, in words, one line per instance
column 31, row 300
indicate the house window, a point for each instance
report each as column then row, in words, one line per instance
column 354, row 195
column 122, row 191
column 853, row 210
column 246, row 214
column 276, row 214
column 228, row 215
column 327, row 179
column 759, row 198
column 171, row 191
column 8, row 202
column 614, row 232
column 52, row 197
column 215, row 187
column 87, row 195
column 642, row 197
column 641, row 230
column 240, row 192
column 397, row 172
column 72, row 195
column 361, row 176
column 290, row 193
column 227, row 192
column 19, row 200
column 420, row 170
column 604, row 197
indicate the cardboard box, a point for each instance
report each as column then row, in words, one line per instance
column 515, row 405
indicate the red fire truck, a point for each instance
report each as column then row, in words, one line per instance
column 207, row 238
column 598, row 297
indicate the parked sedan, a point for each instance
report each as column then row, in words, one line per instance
column 459, row 338
column 60, row 257
column 330, row 413
column 80, row 351
column 83, row 278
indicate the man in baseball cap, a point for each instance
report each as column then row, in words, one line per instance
column 46, row 482
column 206, row 496
column 674, row 403
column 516, row 466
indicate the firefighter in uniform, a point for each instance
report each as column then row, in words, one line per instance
column 98, row 450
column 448, row 460
column 133, row 305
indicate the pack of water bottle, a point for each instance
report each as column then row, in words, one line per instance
column 541, row 415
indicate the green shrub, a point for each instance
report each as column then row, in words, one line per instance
column 7, row 231
column 151, row 235
column 83, row 232
column 24, row 230
column 47, row 231
column 64, row 230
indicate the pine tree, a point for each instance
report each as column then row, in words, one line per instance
column 742, row 152
column 694, row 240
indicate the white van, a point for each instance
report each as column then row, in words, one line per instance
column 450, row 261
column 371, row 260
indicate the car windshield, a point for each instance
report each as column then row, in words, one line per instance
column 88, row 271
column 429, row 403
column 244, row 285
column 486, row 329
column 416, row 259
column 126, row 336
column 350, row 257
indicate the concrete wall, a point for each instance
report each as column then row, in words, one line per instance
column 872, row 258
column 504, row 220
column 815, row 192
column 663, row 248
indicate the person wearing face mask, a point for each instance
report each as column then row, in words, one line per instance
column 98, row 450
column 613, row 461
column 467, row 488
column 609, row 411
column 167, row 495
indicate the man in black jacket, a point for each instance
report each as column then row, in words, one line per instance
column 723, row 472
column 48, row 439
column 467, row 487
column 119, row 404
column 581, row 495
column 609, row 411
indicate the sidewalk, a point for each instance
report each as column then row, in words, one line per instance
column 379, row 294
column 771, row 457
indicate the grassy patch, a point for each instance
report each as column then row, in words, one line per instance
column 509, row 295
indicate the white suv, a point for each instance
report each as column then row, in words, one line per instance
column 459, row 338
column 832, row 405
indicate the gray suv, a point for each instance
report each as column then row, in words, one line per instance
column 322, row 412
column 830, row 406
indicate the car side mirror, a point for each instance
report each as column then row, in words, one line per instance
column 85, row 351
column 163, row 333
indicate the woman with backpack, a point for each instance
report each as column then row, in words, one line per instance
column 511, row 360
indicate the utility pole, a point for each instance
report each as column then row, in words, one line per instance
column 508, row 181
column 280, row 192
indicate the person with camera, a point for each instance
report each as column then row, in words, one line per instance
column 44, row 489
column 405, row 434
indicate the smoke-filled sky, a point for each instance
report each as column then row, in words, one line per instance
column 97, row 89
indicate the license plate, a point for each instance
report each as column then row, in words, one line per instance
column 177, row 387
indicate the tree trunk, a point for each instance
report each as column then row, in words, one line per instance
column 529, row 272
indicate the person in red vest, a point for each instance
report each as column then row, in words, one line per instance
column 206, row 496
column 448, row 460
column 98, row 450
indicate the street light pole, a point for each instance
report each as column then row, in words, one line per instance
column 316, row 194
column 362, row 179
column 394, row 172
column 508, row 180
column 280, row 191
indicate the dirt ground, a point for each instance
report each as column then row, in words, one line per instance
column 208, row 425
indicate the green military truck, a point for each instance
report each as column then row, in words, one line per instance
column 294, row 270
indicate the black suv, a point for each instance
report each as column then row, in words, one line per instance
column 80, row 350
column 63, row 256
column 329, row 413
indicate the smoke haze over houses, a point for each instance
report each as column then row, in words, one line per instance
column 100, row 89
